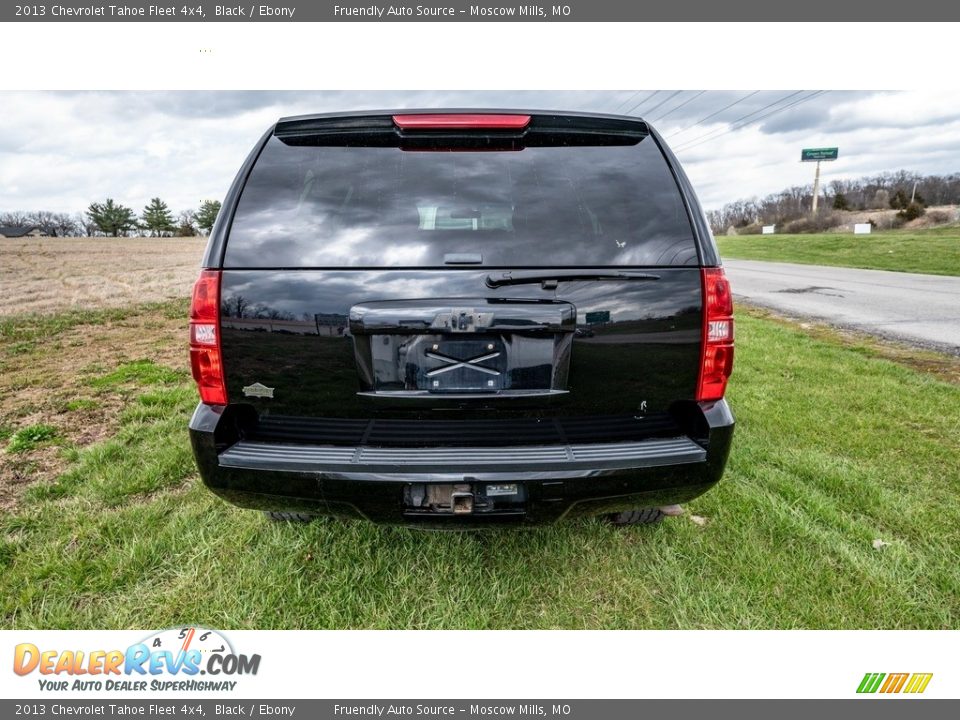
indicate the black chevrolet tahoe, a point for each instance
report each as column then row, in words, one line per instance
column 461, row 318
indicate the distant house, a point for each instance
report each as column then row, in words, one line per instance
column 18, row 231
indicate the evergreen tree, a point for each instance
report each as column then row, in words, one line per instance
column 112, row 218
column 157, row 217
column 206, row 216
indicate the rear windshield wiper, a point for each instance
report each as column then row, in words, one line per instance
column 550, row 278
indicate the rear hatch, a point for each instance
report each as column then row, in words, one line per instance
column 461, row 280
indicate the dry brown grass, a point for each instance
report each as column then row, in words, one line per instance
column 49, row 275
column 885, row 218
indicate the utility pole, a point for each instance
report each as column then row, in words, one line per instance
column 816, row 188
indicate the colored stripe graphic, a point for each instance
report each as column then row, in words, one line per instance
column 870, row 682
column 918, row 682
column 894, row 683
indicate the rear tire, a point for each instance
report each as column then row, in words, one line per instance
column 290, row 517
column 640, row 516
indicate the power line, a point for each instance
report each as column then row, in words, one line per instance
column 655, row 92
column 762, row 117
column 714, row 114
column 800, row 101
column 685, row 102
column 665, row 100
column 626, row 102
column 716, row 131
column 741, row 118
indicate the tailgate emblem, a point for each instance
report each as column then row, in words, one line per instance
column 462, row 320
column 258, row 390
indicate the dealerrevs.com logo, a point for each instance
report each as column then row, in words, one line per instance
column 171, row 659
column 891, row 683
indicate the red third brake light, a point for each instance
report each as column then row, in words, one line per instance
column 716, row 353
column 461, row 121
column 205, row 356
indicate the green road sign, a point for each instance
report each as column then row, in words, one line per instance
column 817, row 154
column 598, row 317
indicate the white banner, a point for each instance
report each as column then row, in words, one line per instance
column 485, row 664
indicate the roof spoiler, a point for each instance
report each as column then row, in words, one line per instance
column 401, row 123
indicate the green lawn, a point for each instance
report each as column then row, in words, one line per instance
column 935, row 251
column 835, row 448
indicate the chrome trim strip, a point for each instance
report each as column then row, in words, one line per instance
column 432, row 395
column 390, row 463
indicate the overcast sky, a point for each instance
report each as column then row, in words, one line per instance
column 60, row 151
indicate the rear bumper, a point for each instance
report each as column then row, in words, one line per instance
column 553, row 481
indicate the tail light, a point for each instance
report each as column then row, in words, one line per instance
column 206, row 360
column 716, row 354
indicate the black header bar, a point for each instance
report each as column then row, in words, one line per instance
column 825, row 12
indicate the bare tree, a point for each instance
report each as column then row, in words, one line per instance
column 44, row 220
column 186, row 224
column 63, row 225
column 16, row 218
column 85, row 226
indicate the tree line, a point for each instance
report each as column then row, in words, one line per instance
column 114, row 219
column 904, row 191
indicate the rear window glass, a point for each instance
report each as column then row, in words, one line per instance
column 593, row 205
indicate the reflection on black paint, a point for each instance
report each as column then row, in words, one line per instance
column 292, row 334
column 543, row 206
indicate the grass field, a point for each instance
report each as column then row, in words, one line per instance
column 51, row 275
column 838, row 509
column 935, row 251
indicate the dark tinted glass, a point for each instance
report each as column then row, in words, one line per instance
column 306, row 206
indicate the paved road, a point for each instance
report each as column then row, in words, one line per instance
column 921, row 309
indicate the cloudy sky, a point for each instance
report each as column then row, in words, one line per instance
column 60, row 151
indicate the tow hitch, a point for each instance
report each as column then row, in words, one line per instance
column 465, row 498
column 462, row 501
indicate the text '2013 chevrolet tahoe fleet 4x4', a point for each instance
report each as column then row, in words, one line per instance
column 461, row 318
